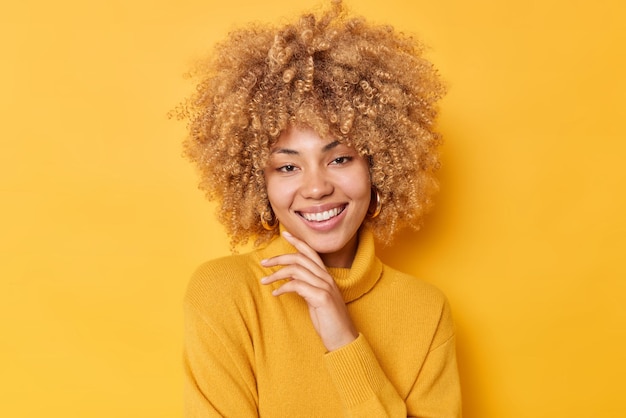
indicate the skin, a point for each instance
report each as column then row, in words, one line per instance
column 306, row 176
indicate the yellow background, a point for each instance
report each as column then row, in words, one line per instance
column 101, row 223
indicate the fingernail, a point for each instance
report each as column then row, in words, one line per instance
column 263, row 280
column 287, row 234
column 264, row 261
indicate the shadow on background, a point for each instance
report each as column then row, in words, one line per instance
column 414, row 242
column 431, row 241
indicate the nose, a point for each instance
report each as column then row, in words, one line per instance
column 316, row 184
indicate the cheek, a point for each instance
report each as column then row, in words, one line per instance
column 362, row 187
column 270, row 189
column 278, row 193
column 359, row 190
column 366, row 193
column 272, row 193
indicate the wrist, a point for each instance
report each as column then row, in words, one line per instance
column 343, row 341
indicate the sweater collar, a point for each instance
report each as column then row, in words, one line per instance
column 353, row 282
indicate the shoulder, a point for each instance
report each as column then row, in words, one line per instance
column 413, row 288
column 422, row 301
column 225, row 280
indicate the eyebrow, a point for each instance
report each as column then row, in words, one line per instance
column 289, row 151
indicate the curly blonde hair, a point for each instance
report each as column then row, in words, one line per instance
column 365, row 85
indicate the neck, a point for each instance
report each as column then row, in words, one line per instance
column 344, row 257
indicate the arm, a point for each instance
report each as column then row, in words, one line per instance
column 361, row 382
column 436, row 393
column 219, row 377
column 364, row 388
column 367, row 392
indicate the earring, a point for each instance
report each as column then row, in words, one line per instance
column 376, row 211
column 269, row 222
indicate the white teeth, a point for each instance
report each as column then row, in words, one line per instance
column 322, row 216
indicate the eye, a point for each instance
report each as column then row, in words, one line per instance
column 341, row 160
column 287, row 168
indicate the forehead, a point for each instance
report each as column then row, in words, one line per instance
column 303, row 139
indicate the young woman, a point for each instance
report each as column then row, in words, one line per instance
column 316, row 138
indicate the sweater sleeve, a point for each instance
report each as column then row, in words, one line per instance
column 362, row 385
column 217, row 382
column 437, row 391
column 219, row 377
column 366, row 391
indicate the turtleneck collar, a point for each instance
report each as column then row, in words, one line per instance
column 353, row 282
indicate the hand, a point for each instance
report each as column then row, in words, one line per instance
column 306, row 275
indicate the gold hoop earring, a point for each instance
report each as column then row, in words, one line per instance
column 269, row 222
column 376, row 211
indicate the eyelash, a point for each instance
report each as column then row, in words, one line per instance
column 288, row 168
column 342, row 160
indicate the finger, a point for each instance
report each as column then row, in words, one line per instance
column 304, row 248
column 296, row 258
column 296, row 272
column 314, row 296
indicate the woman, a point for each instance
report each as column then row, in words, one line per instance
column 316, row 138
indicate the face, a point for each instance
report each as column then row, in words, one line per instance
column 320, row 191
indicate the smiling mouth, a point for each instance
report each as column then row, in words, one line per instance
column 322, row 216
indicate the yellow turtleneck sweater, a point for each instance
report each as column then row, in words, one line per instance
column 249, row 353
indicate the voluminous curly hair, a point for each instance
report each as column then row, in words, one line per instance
column 365, row 85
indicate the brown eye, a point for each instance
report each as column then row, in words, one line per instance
column 288, row 168
column 341, row 160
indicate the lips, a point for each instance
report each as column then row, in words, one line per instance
column 322, row 216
